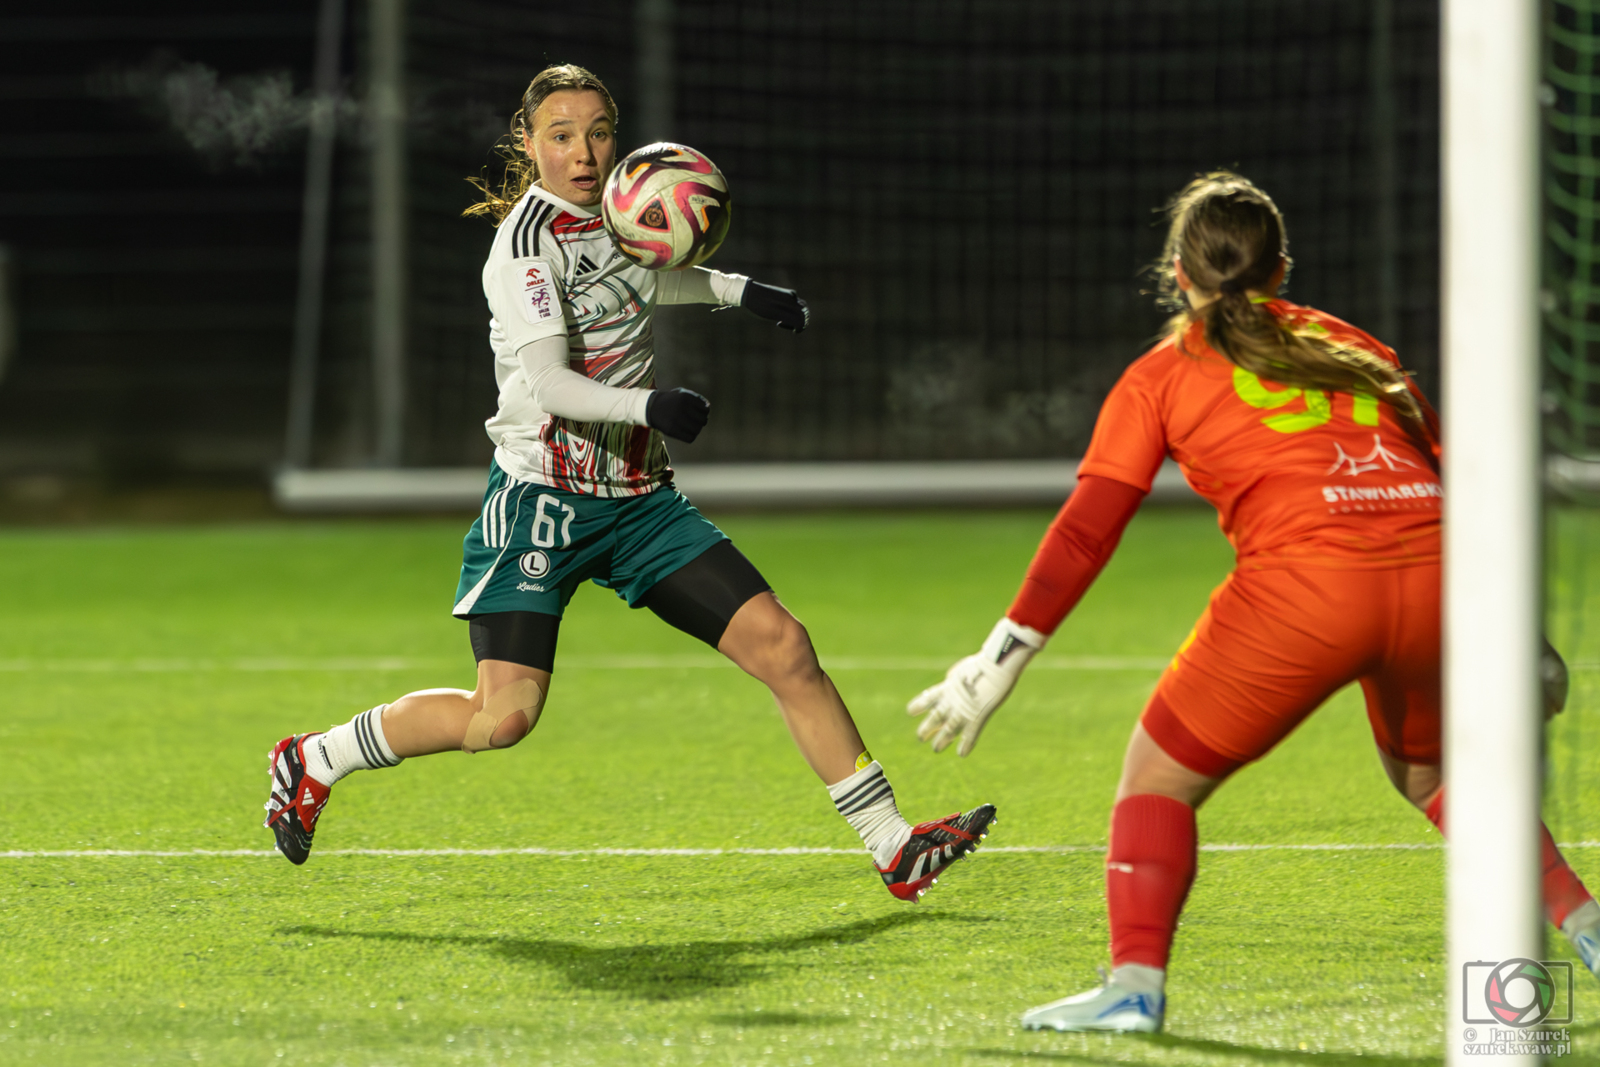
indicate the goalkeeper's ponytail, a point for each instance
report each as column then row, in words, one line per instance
column 1230, row 238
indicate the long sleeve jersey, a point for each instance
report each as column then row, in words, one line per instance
column 573, row 416
column 1299, row 477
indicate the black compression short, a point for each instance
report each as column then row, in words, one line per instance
column 525, row 637
column 701, row 597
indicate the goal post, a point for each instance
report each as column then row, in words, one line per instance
column 1493, row 577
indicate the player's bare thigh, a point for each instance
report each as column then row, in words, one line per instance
column 1146, row 768
column 1417, row 782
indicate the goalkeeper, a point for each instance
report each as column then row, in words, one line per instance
column 580, row 490
column 1321, row 458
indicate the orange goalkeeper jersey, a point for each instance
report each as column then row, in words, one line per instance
column 1299, row 477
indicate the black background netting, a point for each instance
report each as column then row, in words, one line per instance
column 965, row 193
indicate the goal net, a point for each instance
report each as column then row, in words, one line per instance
column 1571, row 305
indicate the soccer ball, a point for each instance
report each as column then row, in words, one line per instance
column 666, row 207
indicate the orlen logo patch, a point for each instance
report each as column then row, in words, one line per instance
column 534, row 564
column 538, row 293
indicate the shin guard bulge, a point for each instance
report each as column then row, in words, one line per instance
column 1150, row 866
column 1560, row 886
column 522, row 695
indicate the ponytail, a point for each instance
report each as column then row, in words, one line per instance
column 1230, row 238
column 1250, row 336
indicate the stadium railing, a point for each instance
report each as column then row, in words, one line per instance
column 769, row 486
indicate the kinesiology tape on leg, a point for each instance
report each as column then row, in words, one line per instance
column 522, row 695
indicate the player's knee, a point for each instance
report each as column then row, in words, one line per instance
column 507, row 716
column 511, row 730
column 784, row 653
column 792, row 651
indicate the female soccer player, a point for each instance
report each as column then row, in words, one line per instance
column 1321, row 458
column 580, row 490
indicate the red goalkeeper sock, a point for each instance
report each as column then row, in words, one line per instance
column 1563, row 891
column 1149, row 869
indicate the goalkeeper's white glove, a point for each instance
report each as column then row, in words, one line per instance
column 977, row 685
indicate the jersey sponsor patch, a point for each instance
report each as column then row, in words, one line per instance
column 1412, row 491
column 537, row 289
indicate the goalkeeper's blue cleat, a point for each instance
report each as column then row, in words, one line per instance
column 1113, row 1007
column 1583, row 930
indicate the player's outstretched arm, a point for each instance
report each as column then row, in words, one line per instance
column 701, row 285
column 782, row 306
column 1075, row 548
column 975, row 687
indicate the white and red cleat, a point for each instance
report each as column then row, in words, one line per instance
column 933, row 847
column 296, row 800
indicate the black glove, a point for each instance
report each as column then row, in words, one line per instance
column 782, row 306
column 679, row 413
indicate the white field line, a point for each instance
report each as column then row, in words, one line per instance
column 575, row 663
column 406, row 853
column 603, row 663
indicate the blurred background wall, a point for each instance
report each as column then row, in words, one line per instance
column 964, row 191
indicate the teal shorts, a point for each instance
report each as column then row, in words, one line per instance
column 532, row 545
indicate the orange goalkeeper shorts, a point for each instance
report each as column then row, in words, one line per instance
column 1273, row 645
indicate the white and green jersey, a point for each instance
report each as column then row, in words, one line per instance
column 553, row 271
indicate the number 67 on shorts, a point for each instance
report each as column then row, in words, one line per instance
column 533, row 545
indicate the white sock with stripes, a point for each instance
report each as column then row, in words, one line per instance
column 866, row 800
column 358, row 745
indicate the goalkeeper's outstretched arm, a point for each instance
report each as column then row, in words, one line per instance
column 1076, row 547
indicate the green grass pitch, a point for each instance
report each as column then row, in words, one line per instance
column 147, row 671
